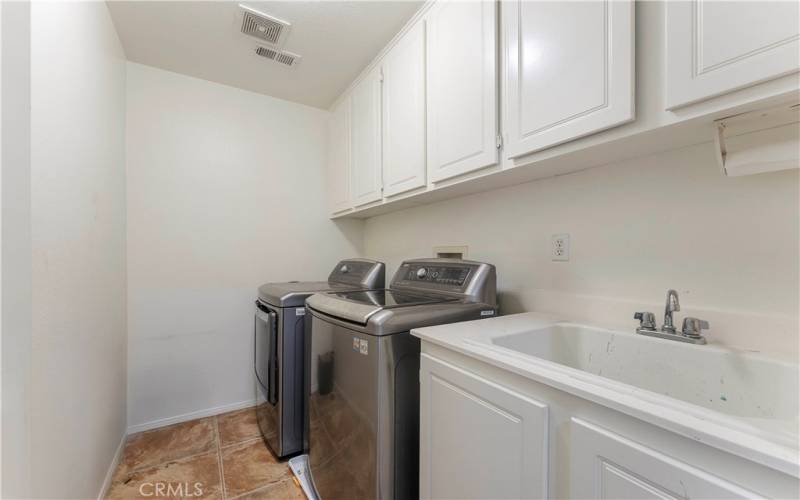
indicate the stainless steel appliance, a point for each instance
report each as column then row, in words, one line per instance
column 364, row 375
column 279, row 351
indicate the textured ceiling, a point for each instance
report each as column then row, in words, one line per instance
column 202, row 39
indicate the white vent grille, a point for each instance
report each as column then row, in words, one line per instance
column 286, row 58
column 264, row 27
column 265, row 52
column 282, row 57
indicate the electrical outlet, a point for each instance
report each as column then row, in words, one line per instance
column 560, row 247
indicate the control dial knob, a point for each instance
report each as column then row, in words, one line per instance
column 422, row 272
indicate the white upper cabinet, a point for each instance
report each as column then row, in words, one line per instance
column 365, row 177
column 338, row 175
column 714, row 47
column 404, row 113
column 569, row 70
column 462, row 87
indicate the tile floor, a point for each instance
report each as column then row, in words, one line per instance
column 224, row 454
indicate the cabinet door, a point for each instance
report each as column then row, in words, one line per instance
column 607, row 465
column 569, row 70
column 366, row 140
column 478, row 439
column 404, row 113
column 462, row 87
column 715, row 47
column 338, row 178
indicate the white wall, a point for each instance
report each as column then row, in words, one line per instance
column 16, row 249
column 78, row 341
column 224, row 193
column 728, row 245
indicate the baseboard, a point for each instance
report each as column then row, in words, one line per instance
column 112, row 468
column 208, row 412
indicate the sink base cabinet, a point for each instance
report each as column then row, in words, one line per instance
column 478, row 439
column 607, row 465
column 489, row 433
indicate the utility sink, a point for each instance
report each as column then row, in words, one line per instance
column 744, row 385
column 626, row 384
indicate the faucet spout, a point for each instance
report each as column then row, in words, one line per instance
column 672, row 305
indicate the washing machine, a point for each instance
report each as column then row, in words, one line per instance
column 363, row 376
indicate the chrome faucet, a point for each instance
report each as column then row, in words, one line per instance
column 672, row 305
column 691, row 331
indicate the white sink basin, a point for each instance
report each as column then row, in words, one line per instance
column 737, row 384
column 738, row 401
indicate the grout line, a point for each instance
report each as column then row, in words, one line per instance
column 188, row 417
column 238, row 443
column 165, row 462
column 219, row 458
column 217, row 448
column 170, row 460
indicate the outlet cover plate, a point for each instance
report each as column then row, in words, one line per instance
column 560, row 247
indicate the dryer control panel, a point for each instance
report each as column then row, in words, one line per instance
column 367, row 273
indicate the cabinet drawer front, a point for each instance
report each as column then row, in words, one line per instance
column 716, row 47
column 607, row 465
column 569, row 70
column 462, row 87
column 478, row 439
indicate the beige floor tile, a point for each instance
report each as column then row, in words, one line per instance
column 237, row 426
column 146, row 449
column 194, row 477
column 249, row 466
column 284, row 490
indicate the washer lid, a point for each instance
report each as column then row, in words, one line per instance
column 359, row 306
column 387, row 298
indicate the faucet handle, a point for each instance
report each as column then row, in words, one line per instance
column 647, row 320
column 692, row 327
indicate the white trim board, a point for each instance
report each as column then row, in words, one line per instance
column 208, row 412
column 112, row 468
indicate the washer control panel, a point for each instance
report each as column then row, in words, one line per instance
column 474, row 281
column 451, row 276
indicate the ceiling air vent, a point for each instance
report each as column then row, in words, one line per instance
column 282, row 57
column 264, row 27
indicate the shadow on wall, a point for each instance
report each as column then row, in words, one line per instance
column 353, row 231
column 510, row 303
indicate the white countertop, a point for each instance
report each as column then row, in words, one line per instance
column 771, row 442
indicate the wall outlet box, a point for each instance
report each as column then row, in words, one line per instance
column 560, row 247
column 450, row 251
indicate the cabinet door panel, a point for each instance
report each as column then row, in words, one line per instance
column 714, row 47
column 366, row 140
column 478, row 439
column 569, row 70
column 404, row 113
column 462, row 87
column 607, row 465
column 338, row 175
